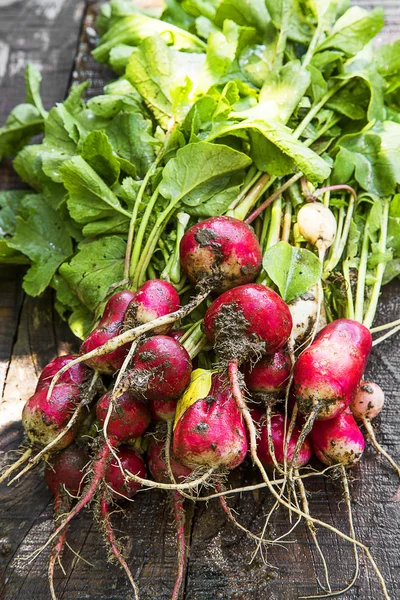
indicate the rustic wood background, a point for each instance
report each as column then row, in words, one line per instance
column 56, row 35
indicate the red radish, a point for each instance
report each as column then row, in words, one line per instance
column 278, row 441
column 337, row 441
column 44, row 418
column 78, row 374
column 124, row 427
column 110, row 325
column 66, row 470
column 159, row 470
column 327, row 373
column 247, row 321
column 211, row 431
column 64, row 476
column 177, row 334
column 154, row 299
column 135, row 421
column 269, row 375
column 161, row 369
column 365, row 406
column 158, row 467
column 220, row 253
column 131, row 462
column 163, row 410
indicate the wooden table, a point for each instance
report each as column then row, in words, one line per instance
column 55, row 35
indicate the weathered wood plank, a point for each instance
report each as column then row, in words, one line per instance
column 219, row 554
column 45, row 33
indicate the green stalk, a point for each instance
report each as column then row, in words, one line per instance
column 331, row 261
column 262, row 185
column 338, row 252
column 287, row 222
column 266, row 222
column 275, row 224
column 246, row 188
column 139, row 237
column 174, row 269
column 144, row 258
column 362, row 272
column 135, row 211
column 380, row 269
column 316, row 108
column 350, row 303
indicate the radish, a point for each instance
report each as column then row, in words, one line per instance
column 272, row 454
column 327, row 373
column 154, row 299
column 64, row 476
column 110, row 325
column 269, row 376
column 317, row 224
column 78, row 374
column 177, row 334
column 247, row 321
column 65, row 471
column 365, row 406
column 121, row 488
column 161, row 369
column 129, row 419
column 163, row 410
column 337, row 441
column 211, row 431
column 220, row 253
column 304, row 311
column 43, row 418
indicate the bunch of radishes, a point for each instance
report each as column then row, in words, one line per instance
column 136, row 367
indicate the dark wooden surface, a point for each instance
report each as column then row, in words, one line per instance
column 47, row 32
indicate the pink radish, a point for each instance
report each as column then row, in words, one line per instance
column 78, row 374
column 220, row 253
column 163, row 410
column 124, row 427
column 110, row 326
column 65, row 471
column 129, row 419
column 368, row 401
column 177, row 334
column 365, row 406
column 337, row 441
column 161, row 369
column 269, row 375
column 43, row 418
column 247, row 321
column 154, row 299
column 211, row 431
column 327, row 373
column 278, row 440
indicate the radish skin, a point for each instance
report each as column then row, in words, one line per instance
column 270, row 374
column 327, row 373
column 221, row 253
column 211, row 432
column 337, row 441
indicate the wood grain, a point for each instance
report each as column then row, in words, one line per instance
column 218, row 566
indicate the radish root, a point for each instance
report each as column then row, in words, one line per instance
column 114, row 546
